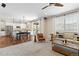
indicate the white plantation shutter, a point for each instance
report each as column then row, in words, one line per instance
column 67, row 23
column 59, row 24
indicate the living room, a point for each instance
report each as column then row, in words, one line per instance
column 21, row 26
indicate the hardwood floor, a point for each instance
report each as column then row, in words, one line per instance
column 7, row 41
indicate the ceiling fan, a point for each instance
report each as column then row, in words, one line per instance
column 53, row 4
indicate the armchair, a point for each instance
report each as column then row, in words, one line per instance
column 40, row 37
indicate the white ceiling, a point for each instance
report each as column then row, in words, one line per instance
column 30, row 11
column 53, row 10
column 21, row 10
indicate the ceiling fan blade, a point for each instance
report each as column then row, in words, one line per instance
column 58, row 4
column 44, row 7
column 54, row 4
column 51, row 3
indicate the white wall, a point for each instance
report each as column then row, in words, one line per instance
column 42, row 22
column 47, row 27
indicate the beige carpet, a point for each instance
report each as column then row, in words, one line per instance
column 29, row 49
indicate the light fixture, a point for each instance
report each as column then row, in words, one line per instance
column 3, row 5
